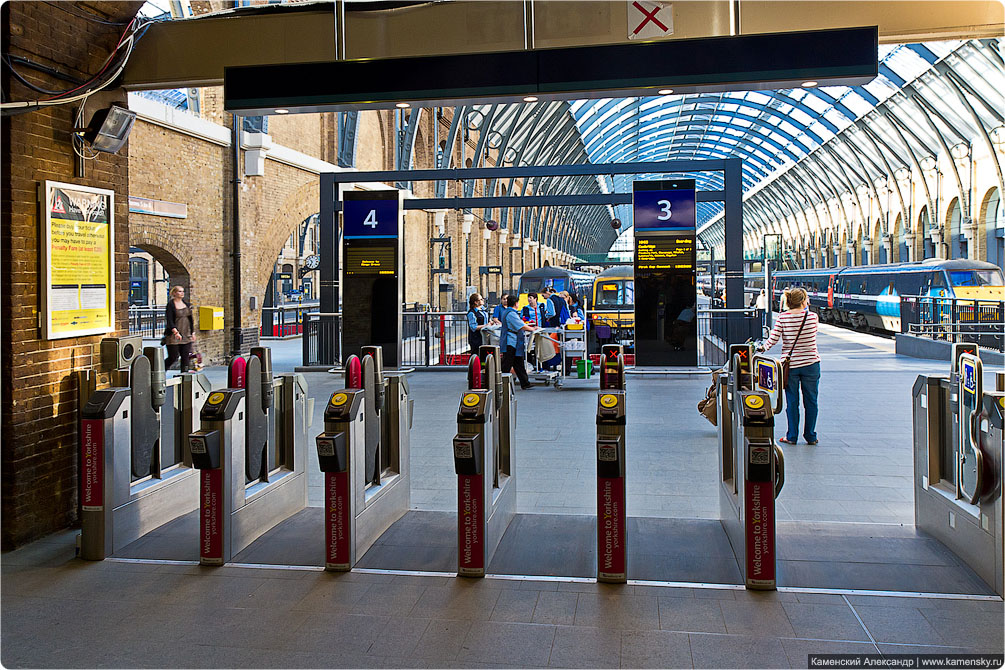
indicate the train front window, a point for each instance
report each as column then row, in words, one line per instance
column 615, row 293
column 976, row 278
column 531, row 285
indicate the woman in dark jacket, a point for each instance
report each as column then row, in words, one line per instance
column 478, row 319
column 179, row 329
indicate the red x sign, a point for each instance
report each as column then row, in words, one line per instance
column 649, row 18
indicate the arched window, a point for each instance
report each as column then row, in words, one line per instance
column 139, row 281
column 994, row 225
column 957, row 242
column 923, row 229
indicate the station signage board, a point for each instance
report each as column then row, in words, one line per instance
column 666, row 324
column 372, row 272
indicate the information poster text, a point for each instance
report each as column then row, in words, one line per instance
column 79, row 245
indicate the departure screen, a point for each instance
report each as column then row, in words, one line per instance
column 371, row 260
column 665, row 253
column 666, row 310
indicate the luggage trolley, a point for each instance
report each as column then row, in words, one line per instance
column 539, row 373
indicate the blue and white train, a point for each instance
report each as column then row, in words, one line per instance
column 868, row 297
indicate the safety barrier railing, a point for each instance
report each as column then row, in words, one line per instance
column 146, row 321
column 433, row 339
column 285, row 320
column 322, row 335
column 718, row 327
column 954, row 319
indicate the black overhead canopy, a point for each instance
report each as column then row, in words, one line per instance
column 846, row 56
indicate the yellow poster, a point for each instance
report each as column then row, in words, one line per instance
column 79, row 244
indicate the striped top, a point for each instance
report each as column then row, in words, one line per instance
column 786, row 327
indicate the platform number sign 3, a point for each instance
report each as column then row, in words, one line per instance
column 665, row 212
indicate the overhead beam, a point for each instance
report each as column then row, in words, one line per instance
column 566, row 170
column 842, row 57
column 188, row 52
column 194, row 52
column 575, row 200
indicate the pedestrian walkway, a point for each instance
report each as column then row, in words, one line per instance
column 58, row 611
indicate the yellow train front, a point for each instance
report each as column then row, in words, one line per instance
column 612, row 310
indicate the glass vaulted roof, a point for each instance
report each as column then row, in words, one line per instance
column 770, row 130
column 800, row 147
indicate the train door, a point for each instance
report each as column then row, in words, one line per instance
column 830, row 291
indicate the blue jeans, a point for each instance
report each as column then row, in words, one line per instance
column 807, row 378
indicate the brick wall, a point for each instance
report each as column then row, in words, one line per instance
column 38, row 394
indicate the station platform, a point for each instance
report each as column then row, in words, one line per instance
column 854, row 574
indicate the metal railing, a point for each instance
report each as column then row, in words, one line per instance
column 322, row 336
column 285, row 320
column 718, row 327
column 433, row 339
column 981, row 322
column 147, row 321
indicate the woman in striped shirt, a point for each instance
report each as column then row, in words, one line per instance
column 797, row 329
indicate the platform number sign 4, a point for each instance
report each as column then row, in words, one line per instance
column 370, row 218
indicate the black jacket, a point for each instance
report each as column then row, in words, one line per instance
column 171, row 317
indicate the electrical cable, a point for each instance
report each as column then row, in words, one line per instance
column 108, row 60
column 17, row 75
column 126, row 41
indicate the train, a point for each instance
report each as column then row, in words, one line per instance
column 612, row 319
column 868, row 297
column 559, row 279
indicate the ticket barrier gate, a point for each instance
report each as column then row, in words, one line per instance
column 241, row 495
column 364, row 454
column 958, row 469
column 612, row 516
column 751, row 464
column 136, row 470
column 505, row 402
column 486, row 478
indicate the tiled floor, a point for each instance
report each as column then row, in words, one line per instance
column 58, row 611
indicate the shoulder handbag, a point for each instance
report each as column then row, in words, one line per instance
column 785, row 361
column 707, row 405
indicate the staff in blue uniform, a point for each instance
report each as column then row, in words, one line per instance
column 532, row 310
column 576, row 308
column 513, row 342
column 477, row 320
column 548, row 309
column 498, row 310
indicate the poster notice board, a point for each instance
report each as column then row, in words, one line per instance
column 78, row 246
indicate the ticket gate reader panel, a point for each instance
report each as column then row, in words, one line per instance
column 357, row 510
column 747, row 503
column 484, row 509
column 612, row 519
column 475, row 437
column 222, row 419
column 105, row 423
column 958, row 466
column 768, row 380
column 344, row 436
column 970, row 456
